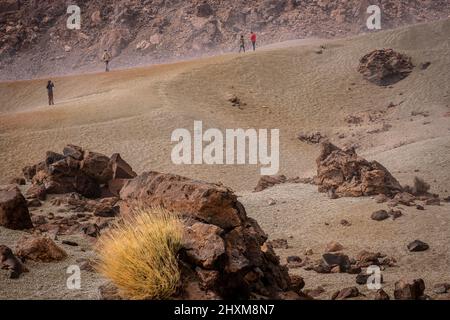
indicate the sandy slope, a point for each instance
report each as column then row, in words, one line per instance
column 289, row 87
column 135, row 111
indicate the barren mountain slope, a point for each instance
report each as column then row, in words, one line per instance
column 35, row 41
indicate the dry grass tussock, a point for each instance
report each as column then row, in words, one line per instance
column 139, row 255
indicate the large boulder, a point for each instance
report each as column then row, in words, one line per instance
column 385, row 67
column 224, row 252
column 352, row 176
column 13, row 209
column 206, row 202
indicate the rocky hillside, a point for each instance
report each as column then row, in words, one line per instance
column 35, row 41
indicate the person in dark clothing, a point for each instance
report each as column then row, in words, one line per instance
column 242, row 44
column 50, row 87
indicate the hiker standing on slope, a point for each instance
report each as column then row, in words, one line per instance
column 106, row 58
column 242, row 44
column 253, row 40
column 50, row 87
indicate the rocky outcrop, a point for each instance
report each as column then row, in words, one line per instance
column 13, row 209
column 352, row 176
column 385, row 67
column 77, row 170
column 225, row 253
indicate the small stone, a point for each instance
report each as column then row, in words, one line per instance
column 346, row 293
column 419, row 207
column 345, row 223
column 395, row 214
column 405, row 290
column 381, row 295
column 70, row 243
column 315, row 292
column 380, row 215
column 418, row 246
column 441, row 288
column 279, row 244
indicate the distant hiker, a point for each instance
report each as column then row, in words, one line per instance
column 106, row 59
column 242, row 44
column 253, row 40
column 50, row 87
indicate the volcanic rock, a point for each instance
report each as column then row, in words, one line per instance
column 380, row 215
column 10, row 262
column 207, row 202
column 381, row 295
column 337, row 259
column 385, row 67
column 40, row 249
column 351, row 175
column 203, row 244
column 37, row 192
column 346, row 293
column 14, row 212
column 405, row 290
column 221, row 242
column 418, row 246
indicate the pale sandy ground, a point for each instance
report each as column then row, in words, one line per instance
column 300, row 216
column 288, row 87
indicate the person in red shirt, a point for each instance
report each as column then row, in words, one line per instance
column 253, row 40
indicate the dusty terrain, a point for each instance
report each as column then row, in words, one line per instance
column 289, row 87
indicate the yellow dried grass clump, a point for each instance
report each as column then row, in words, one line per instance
column 139, row 255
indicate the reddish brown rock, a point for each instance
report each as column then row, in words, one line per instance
column 385, row 67
column 74, row 152
column 405, row 199
column 120, row 168
column 13, row 209
column 116, row 185
column 352, row 176
column 405, row 290
column 266, row 182
column 97, row 166
column 29, row 172
column 36, row 192
column 381, row 295
column 207, row 202
column 10, row 262
column 40, row 249
column 228, row 248
column 346, row 293
column 203, row 244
